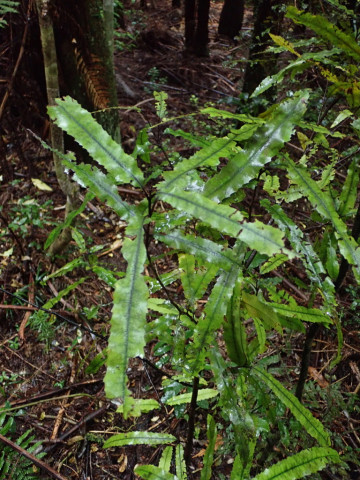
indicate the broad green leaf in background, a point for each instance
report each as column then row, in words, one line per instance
column 78, row 122
column 138, row 438
column 326, row 30
column 311, row 424
column 128, row 318
column 151, row 472
column 203, row 394
column 259, row 150
column 180, row 465
column 209, row 452
column 299, row 465
column 140, row 406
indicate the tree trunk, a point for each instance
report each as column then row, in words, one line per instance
column 196, row 26
column 231, row 18
column 190, row 24
column 262, row 64
column 70, row 189
column 84, row 36
column 202, row 29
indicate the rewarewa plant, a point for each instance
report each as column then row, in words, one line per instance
column 212, row 240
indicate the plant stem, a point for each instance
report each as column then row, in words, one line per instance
column 191, row 423
column 305, row 359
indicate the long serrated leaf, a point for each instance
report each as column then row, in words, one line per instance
column 77, row 122
column 128, row 318
column 312, row 425
column 151, row 472
column 234, row 330
column 214, row 313
column 208, row 156
column 302, row 313
column 263, row 238
column 266, row 143
column 327, row 30
column 324, row 204
column 180, row 464
column 222, row 217
column 101, row 185
column 258, row 309
column 195, row 283
column 348, row 193
column 138, row 438
column 206, row 250
column 303, row 463
column 165, row 460
column 203, row 394
column 209, row 452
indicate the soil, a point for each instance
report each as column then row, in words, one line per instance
column 46, row 372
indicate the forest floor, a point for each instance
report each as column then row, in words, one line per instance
column 47, row 371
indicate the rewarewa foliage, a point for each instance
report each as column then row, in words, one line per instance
column 191, row 213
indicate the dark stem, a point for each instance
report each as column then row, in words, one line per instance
column 305, row 359
column 191, row 423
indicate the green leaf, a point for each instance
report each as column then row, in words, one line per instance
column 234, row 330
column 195, row 283
column 160, row 104
column 180, row 462
column 101, row 185
column 138, row 438
column 324, row 204
column 326, row 30
column 206, row 250
column 273, row 263
column 263, row 238
column 348, row 193
column 266, row 143
column 77, row 122
column 165, row 460
column 208, row 156
column 151, row 472
column 68, row 221
column 297, row 466
column 221, row 217
column 302, row 414
column 258, row 309
column 209, row 452
column 203, row 394
column 213, row 315
column 140, row 406
column 240, row 117
column 302, row 313
column 128, row 318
